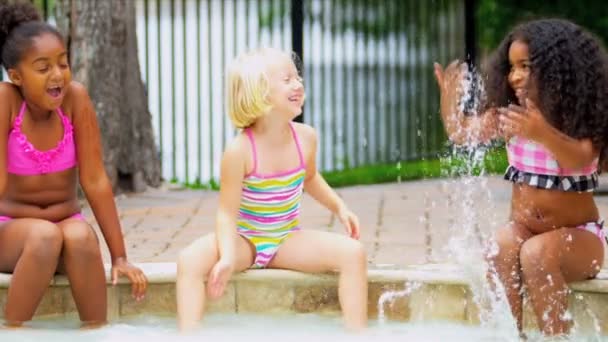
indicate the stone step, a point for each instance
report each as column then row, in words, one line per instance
column 427, row 292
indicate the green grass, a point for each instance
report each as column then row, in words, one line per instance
column 495, row 162
column 450, row 165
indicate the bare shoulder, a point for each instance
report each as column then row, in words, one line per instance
column 10, row 100
column 237, row 148
column 10, row 93
column 76, row 92
column 235, row 159
column 307, row 134
column 77, row 99
column 9, row 89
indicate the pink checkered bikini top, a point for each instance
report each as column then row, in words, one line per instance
column 529, row 156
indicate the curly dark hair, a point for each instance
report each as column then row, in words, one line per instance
column 20, row 22
column 568, row 70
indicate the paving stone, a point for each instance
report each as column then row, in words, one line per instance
column 410, row 214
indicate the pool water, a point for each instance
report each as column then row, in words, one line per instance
column 250, row 327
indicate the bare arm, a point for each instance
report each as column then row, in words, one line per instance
column 7, row 97
column 231, row 182
column 569, row 152
column 93, row 178
column 462, row 129
column 316, row 186
column 98, row 189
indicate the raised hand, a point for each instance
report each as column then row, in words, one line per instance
column 449, row 81
column 527, row 122
column 450, row 86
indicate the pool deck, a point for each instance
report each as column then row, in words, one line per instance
column 405, row 223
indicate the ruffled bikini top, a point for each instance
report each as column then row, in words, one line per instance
column 24, row 159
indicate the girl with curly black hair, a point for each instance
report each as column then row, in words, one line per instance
column 50, row 141
column 547, row 96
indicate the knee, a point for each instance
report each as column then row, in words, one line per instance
column 189, row 262
column 536, row 258
column 80, row 238
column 505, row 246
column 44, row 240
column 354, row 255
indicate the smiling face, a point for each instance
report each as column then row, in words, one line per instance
column 286, row 91
column 43, row 72
column 519, row 77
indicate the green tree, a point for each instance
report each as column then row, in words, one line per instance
column 103, row 55
column 495, row 18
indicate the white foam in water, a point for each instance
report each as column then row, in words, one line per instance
column 247, row 327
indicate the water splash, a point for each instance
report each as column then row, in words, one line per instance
column 469, row 105
column 473, row 91
column 470, row 203
column 470, row 199
column 590, row 319
column 391, row 296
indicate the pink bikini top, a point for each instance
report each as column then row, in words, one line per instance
column 24, row 159
column 532, row 157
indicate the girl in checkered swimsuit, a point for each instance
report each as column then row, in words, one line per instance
column 547, row 97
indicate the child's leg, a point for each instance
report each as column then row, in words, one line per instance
column 29, row 248
column 505, row 264
column 315, row 251
column 549, row 261
column 81, row 261
column 193, row 266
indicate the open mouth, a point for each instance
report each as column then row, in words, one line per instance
column 55, row 91
column 295, row 98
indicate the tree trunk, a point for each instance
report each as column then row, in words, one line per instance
column 102, row 41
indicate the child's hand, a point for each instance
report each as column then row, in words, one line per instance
column 218, row 278
column 449, row 81
column 350, row 222
column 526, row 122
column 121, row 267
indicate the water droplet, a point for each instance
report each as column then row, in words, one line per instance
column 546, row 315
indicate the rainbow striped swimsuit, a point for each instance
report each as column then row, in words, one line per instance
column 270, row 206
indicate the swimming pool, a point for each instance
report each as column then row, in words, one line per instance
column 431, row 302
column 251, row 327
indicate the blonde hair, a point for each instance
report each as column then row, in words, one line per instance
column 247, row 85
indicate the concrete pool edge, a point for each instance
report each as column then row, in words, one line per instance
column 434, row 292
